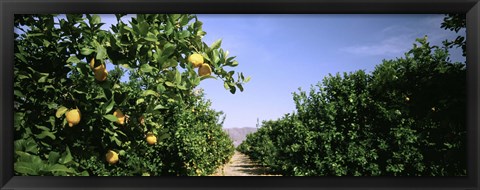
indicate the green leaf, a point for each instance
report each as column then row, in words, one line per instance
column 201, row 33
column 86, row 51
column 159, row 107
column 169, row 28
column 115, row 139
column 247, row 79
column 83, row 68
column 170, row 84
column 230, row 59
column 21, row 77
column 184, row 34
column 34, row 34
column 143, row 28
column 128, row 28
column 162, row 137
column 111, row 118
column 110, row 105
column 198, row 24
column 25, row 168
column 240, row 87
column 52, row 121
column 101, row 52
column 42, row 79
column 101, row 95
column 122, row 133
column 18, row 119
column 59, row 168
column 226, row 86
column 44, row 134
column 172, row 62
column 150, row 92
column 182, row 87
column 60, row 111
column 216, row 44
column 184, row 20
column 18, row 144
column 52, row 105
column 146, row 68
column 174, row 17
column 232, row 89
column 139, row 101
column 66, row 157
column 73, row 59
column 21, row 57
column 46, row 43
column 53, row 157
column 168, row 49
column 27, row 145
column 151, row 37
column 95, row 20
column 84, row 173
column 18, row 93
column 160, row 88
column 178, row 77
column 109, row 131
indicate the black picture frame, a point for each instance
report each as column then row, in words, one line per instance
column 8, row 8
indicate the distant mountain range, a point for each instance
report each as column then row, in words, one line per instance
column 239, row 134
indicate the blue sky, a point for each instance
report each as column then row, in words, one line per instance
column 284, row 52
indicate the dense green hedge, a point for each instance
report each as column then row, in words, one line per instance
column 406, row 118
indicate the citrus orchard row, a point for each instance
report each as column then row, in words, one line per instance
column 406, row 118
column 75, row 117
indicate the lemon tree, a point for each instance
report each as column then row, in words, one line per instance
column 75, row 117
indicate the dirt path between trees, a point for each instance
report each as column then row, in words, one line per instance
column 241, row 165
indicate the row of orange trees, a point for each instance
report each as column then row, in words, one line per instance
column 154, row 123
column 406, row 118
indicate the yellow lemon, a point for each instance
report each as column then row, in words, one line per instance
column 111, row 157
column 73, row 117
column 120, row 116
column 151, row 138
column 92, row 63
column 100, row 74
column 204, row 70
column 196, row 59
column 101, row 67
column 95, row 66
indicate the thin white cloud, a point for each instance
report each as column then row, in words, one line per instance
column 389, row 46
column 397, row 39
